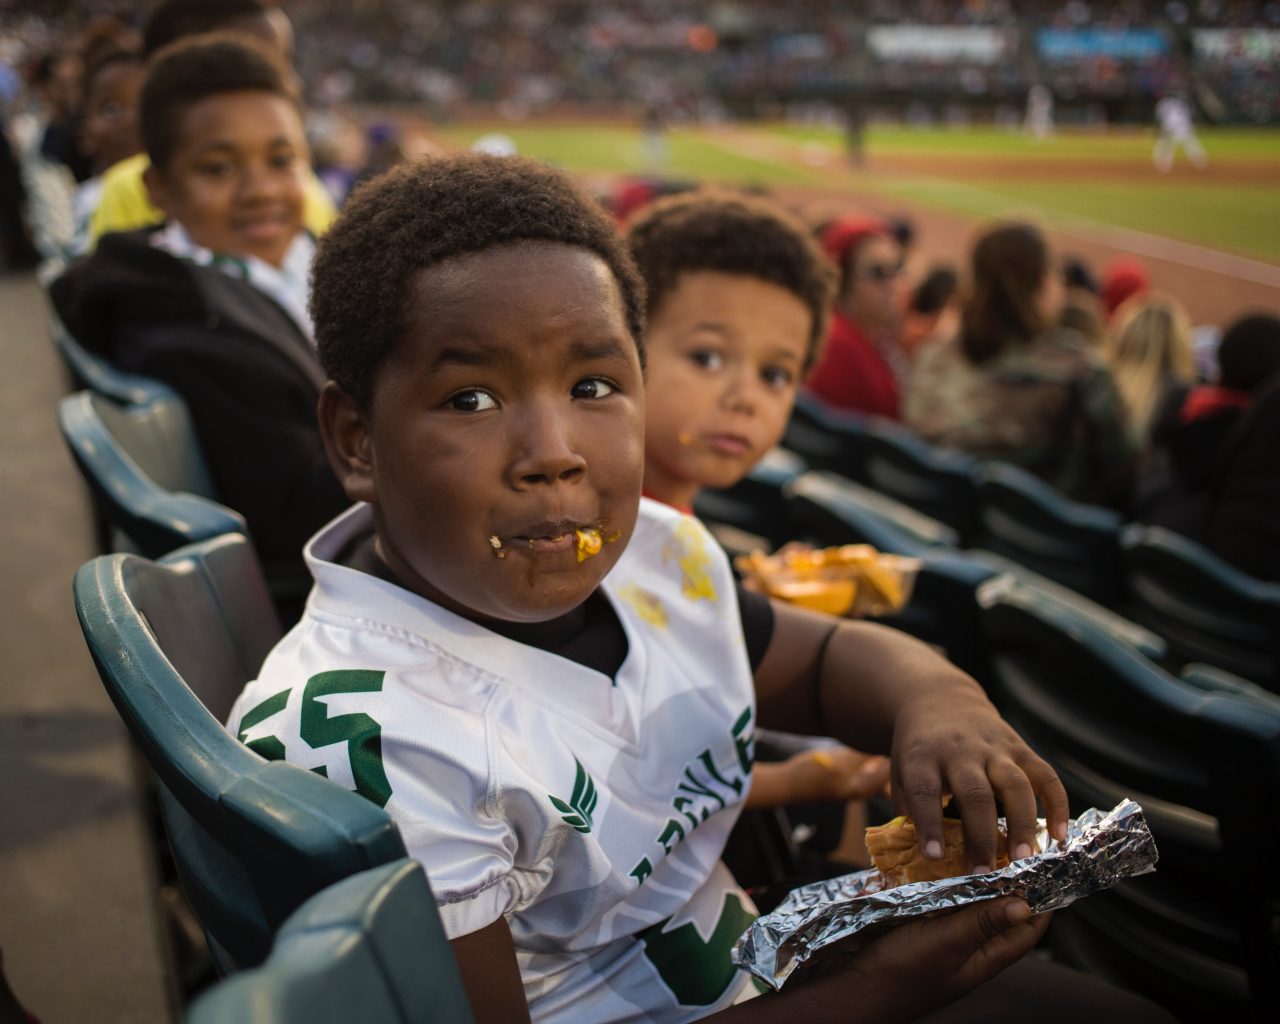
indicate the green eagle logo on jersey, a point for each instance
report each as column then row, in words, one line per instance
column 582, row 805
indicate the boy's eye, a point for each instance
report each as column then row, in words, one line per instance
column 215, row 169
column 707, row 359
column 593, row 387
column 776, row 376
column 472, row 401
column 282, row 160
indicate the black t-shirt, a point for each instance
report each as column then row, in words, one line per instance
column 591, row 634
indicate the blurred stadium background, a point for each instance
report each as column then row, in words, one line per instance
column 908, row 108
column 916, row 108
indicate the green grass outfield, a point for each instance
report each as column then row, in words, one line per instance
column 1119, row 144
column 1236, row 217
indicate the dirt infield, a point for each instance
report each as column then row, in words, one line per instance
column 1216, row 287
column 1059, row 169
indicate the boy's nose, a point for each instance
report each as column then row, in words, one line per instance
column 740, row 394
column 258, row 182
column 545, row 454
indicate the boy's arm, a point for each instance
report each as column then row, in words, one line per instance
column 491, row 976
column 879, row 690
column 909, row 971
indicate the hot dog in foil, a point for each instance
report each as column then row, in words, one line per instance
column 1101, row 848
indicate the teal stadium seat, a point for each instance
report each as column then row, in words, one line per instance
column 1203, row 761
column 1207, row 610
column 369, row 948
column 756, row 504
column 826, row 438
column 938, row 483
column 174, row 642
column 829, row 510
column 1024, row 520
column 95, row 373
column 825, row 506
column 145, row 470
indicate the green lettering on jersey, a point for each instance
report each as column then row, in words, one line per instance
column 264, row 746
column 361, row 734
column 697, row 973
column 742, row 740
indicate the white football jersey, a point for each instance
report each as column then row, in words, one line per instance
column 589, row 812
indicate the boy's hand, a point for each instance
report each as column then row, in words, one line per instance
column 922, row 965
column 836, row 773
column 960, row 745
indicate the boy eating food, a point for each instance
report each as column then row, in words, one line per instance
column 564, row 737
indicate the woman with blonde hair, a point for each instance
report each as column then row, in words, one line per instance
column 1151, row 356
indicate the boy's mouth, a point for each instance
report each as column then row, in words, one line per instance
column 547, row 537
column 729, row 444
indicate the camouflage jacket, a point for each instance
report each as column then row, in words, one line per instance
column 1050, row 406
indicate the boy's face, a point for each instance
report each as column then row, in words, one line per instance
column 513, row 410
column 235, row 178
column 725, row 353
column 111, row 115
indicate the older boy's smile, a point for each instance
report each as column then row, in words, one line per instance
column 506, row 426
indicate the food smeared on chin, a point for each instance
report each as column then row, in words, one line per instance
column 589, row 542
column 900, row 861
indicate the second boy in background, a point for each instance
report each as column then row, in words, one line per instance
column 737, row 303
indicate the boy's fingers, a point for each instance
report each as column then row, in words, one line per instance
column 1053, row 795
column 921, row 791
column 1006, row 946
column 977, row 805
column 1019, row 801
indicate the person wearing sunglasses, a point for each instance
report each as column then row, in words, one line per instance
column 859, row 367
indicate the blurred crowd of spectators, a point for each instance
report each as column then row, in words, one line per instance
column 688, row 61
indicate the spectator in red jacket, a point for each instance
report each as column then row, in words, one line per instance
column 856, row 370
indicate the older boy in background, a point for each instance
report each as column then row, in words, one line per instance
column 126, row 202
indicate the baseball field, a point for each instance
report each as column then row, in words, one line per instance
column 1211, row 236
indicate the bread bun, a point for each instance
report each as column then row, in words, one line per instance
column 900, row 860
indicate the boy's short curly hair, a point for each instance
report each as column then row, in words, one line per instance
column 732, row 234
column 422, row 214
column 195, row 68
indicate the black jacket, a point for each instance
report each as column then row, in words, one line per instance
column 248, row 374
column 1244, row 511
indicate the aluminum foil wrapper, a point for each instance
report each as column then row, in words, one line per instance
column 1100, row 849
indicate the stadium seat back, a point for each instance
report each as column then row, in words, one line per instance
column 826, row 438
column 95, row 373
column 1026, row 520
column 939, row 484
column 756, row 503
column 1204, row 765
column 369, row 948
column 1207, row 610
column 145, row 469
column 828, row 509
column 174, row 642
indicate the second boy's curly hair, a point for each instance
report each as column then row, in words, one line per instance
column 422, row 214
column 196, row 68
column 732, row 234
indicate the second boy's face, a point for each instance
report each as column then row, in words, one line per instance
column 235, row 178
column 725, row 353
column 511, row 416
